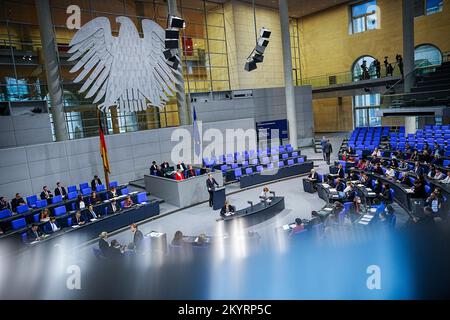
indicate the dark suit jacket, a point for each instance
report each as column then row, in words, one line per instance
column 418, row 170
column 164, row 165
column 341, row 173
column 110, row 210
column 103, row 245
column 48, row 227
column 93, row 184
column 31, row 236
column 137, row 239
column 89, row 214
column 182, row 166
column 43, row 195
column 16, row 202
column 95, row 200
column 58, row 193
column 110, row 194
column 154, row 169
column 340, row 187
column 224, row 210
column 191, row 173
column 210, row 184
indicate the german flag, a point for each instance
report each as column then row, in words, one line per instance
column 103, row 151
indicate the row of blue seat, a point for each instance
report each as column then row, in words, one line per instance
column 269, row 166
column 256, row 161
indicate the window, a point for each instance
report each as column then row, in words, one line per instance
column 357, row 69
column 427, row 55
column 365, row 109
column 427, row 7
column 364, row 16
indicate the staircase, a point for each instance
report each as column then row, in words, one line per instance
column 317, row 146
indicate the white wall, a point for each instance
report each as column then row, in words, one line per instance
column 27, row 169
column 25, row 130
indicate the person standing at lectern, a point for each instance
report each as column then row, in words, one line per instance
column 210, row 184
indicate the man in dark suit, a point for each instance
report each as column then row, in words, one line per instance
column 95, row 182
column 17, row 201
column 112, row 193
column 181, row 166
column 210, row 184
column 52, row 226
column 154, row 169
column 191, row 172
column 327, row 150
column 60, row 190
column 103, row 245
column 34, row 234
column 203, row 170
column 227, row 209
column 417, row 169
column 313, row 175
column 341, row 172
column 164, row 166
column 4, row 204
column 137, row 237
column 90, row 213
column 113, row 207
column 46, row 194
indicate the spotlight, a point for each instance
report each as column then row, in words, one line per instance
column 176, row 22
column 250, row 65
column 171, row 44
column 172, row 34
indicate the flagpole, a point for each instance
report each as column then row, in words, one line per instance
column 103, row 165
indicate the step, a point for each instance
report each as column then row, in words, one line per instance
column 431, row 88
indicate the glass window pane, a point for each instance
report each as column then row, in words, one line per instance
column 359, row 25
column 434, row 6
column 427, row 55
column 362, row 8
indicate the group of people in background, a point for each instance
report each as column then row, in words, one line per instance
column 114, row 249
column 182, row 170
column 366, row 73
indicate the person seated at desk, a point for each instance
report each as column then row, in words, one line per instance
column 434, row 202
column 366, row 180
column 179, row 176
column 299, row 227
column 425, row 157
column 403, row 165
column 177, row 239
column 386, row 195
column 95, row 182
column 164, row 166
column 128, row 202
column 362, row 164
column 340, row 185
column 437, row 150
column 154, row 169
column 78, row 219
column 17, row 201
column 112, row 193
column 4, row 204
column 53, row 226
column 94, row 198
column 34, row 234
column 419, row 188
column 313, row 176
column 103, row 245
column 45, row 215
column 399, row 155
column 378, row 170
column 90, row 213
column 390, row 173
column 447, row 179
column 353, row 175
column 227, row 209
column 376, row 153
column 417, row 170
column 405, row 180
column 60, row 190
column 80, row 204
column 436, row 160
column 116, row 249
column 344, row 156
column 113, row 207
column 369, row 166
column 181, row 166
column 266, row 196
column 340, row 171
column 438, row 175
column 46, row 194
column 414, row 156
column 407, row 151
column 191, row 172
column 394, row 162
column 378, row 187
column 349, row 192
column 431, row 171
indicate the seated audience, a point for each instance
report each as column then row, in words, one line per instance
column 60, row 190
column 431, row 172
column 80, row 204
column 164, row 166
column 179, row 175
column 425, row 157
column 313, row 175
column 353, row 175
column 299, row 227
column 414, row 156
column 53, row 225
column 434, row 203
column 95, row 182
column 201, row 240
column 403, row 165
column 112, row 193
column 191, row 172
column 361, row 164
column 177, row 239
column 386, row 195
column 419, row 188
column 447, row 179
column 128, row 202
column 378, row 187
column 78, row 219
column 46, row 194
column 438, row 175
column 91, row 214
column 94, row 198
column 378, row 169
column 340, row 171
column 427, row 220
column 4, row 204
column 45, row 215
column 376, row 153
column 349, row 192
column 266, row 196
column 227, row 209
column 181, row 166
column 113, row 207
column 390, row 173
column 366, row 180
column 154, row 168
column 417, row 168
column 34, row 234
column 203, row 170
column 405, row 180
column 17, row 201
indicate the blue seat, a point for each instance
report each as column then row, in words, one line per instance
column 294, row 154
column 238, row 173
column 141, row 197
column 100, row 188
column 36, row 217
column 124, row 191
column 24, row 237
column 31, row 201
column 41, row 203
column 59, row 211
column 5, row 213
column 290, row 162
column 275, row 158
column 300, row 160
column 86, row 191
column 245, row 164
column 18, row 224
column 69, row 221
column 259, row 168
column 284, row 156
column 114, row 184
column 197, row 172
column 265, row 160
column 270, row 166
column 427, row 189
column 248, row 171
column 234, row 165
column 71, row 189
column 224, row 168
column 72, row 195
column 320, row 177
column 280, row 164
column 57, row 199
column 446, row 163
column 122, row 203
column 84, row 185
column 347, row 206
column 23, row 208
column 254, row 161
